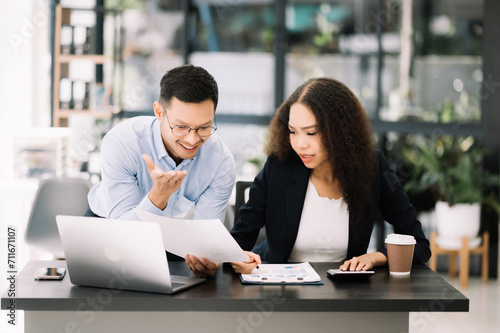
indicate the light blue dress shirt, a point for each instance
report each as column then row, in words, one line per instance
column 125, row 183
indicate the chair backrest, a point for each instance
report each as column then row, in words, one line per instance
column 241, row 197
column 55, row 196
column 242, row 194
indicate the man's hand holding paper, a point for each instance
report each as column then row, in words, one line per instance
column 201, row 267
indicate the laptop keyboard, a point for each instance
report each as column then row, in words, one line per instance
column 177, row 285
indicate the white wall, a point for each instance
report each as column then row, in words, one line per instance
column 25, row 71
column 24, row 102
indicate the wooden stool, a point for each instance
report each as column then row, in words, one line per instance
column 464, row 253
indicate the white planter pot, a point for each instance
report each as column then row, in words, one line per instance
column 460, row 220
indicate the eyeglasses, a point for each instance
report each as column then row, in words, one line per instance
column 181, row 130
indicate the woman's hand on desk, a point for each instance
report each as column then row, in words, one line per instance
column 201, row 267
column 364, row 262
column 246, row 267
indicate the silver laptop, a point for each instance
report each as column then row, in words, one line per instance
column 118, row 254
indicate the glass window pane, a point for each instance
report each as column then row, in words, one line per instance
column 239, row 26
column 338, row 39
column 431, row 68
column 234, row 42
column 447, row 67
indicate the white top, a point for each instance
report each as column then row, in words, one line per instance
column 323, row 231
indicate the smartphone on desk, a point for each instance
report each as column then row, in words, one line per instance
column 348, row 275
column 50, row 273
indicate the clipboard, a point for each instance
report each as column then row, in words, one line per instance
column 291, row 274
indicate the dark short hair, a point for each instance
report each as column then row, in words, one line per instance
column 189, row 84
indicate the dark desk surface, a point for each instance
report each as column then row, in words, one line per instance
column 423, row 290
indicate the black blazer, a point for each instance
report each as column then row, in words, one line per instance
column 277, row 196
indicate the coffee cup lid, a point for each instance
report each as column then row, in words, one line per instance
column 400, row 239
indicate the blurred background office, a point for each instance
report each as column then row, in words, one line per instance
column 426, row 71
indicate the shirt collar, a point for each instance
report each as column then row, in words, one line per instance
column 161, row 151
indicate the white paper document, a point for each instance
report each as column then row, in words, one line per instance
column 201, row 238
column 301, row 273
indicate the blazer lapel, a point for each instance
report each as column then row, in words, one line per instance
column 295, row 196
column 351, row 242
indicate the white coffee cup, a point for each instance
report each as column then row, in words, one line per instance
column 400, row 253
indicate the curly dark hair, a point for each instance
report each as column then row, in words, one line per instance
column 345, row 131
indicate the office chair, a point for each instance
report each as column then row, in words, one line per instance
column 242, row 188
column 241, row 197
column 464, row 250
column 55, row 196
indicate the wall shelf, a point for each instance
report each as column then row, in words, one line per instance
column 76, row 50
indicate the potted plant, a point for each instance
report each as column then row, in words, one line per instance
column 450, row 169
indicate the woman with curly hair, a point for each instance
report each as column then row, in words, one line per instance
column 323, row 185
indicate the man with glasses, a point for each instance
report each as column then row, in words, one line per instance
column 172, row 164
